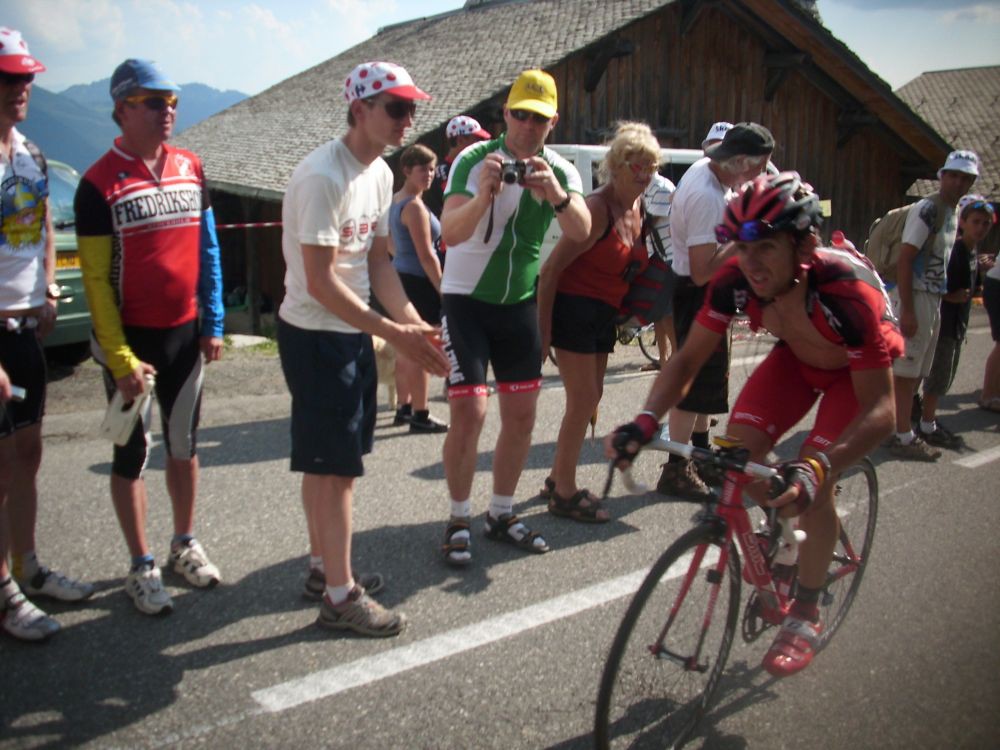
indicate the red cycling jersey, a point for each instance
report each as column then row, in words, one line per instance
column 845, row 301
column 155, row 230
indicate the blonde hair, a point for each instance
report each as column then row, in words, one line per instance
column 631, row 139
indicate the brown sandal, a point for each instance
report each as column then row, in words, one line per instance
column 573, row 507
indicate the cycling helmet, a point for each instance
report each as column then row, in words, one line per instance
column 769, row 204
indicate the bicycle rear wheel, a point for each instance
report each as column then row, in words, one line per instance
column 664, row 665
column 856, row 498
column 647, row 343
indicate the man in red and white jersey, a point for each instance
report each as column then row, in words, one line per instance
column 150, row 263
column 837, row 340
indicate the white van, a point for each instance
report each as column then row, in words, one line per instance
column 587, row 158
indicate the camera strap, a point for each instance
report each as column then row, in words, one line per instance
column 489, row 224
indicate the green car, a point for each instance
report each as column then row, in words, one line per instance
column 70, row 340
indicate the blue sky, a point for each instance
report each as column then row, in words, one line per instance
column 250, row 45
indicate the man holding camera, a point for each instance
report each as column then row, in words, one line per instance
column 501, row 198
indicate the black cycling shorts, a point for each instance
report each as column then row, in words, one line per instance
column 477, row 334
column 24, row 362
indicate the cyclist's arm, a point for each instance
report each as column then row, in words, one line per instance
column 674, row 381
column 463, row 211
column 872, row 424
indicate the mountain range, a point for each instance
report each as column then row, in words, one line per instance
column 75, row 126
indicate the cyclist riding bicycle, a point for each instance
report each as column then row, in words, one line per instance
column 836, row 341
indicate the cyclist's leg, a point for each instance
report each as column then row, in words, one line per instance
column 837, row 409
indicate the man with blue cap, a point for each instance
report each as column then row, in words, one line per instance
column 151, row 270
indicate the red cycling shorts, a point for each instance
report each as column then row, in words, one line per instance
column 782, row 390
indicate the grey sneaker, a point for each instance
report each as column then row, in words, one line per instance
column 315, row 585
column 680, row 479
column 56, row 586
column 360, row 614
column 145, row 586
column 190, row 561
column 22, row 619
column 918, row 450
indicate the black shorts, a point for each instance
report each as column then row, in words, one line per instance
column 421, row 292
column 709, row 392
column 176, row 355
column 991, row 301
column 24, row 362
column 583, row 324
column 333, row 381
column 477, row 333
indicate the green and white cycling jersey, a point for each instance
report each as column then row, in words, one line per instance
column 502, row 271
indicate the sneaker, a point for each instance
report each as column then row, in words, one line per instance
column 942, row 437
column 680, row 479
column 429, row 425
column 918, row 450
column 25, row 621
column 191, row 562
column 403, row 415
column 56, row 586
column 793, row 647
column 315, row 586
column 360, row 614
column 145, row 586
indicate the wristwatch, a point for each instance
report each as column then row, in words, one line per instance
column 53, row 291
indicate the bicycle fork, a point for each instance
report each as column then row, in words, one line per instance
column 715, row 577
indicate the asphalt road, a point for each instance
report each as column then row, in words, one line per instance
column 507, row 653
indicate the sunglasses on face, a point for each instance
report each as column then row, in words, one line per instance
column 155, row 102
column 397, row 109
column 12, row 79
column 641, row 170
column 749, row 231
column 523, row 115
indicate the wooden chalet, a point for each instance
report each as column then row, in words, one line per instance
column 679, row 65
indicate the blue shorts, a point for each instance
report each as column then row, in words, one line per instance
column 333, row 381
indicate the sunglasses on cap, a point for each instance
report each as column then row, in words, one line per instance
column 749, row 231
column 155, row 102
column 14, row 78
column 978, row 206
column 523, row 115
column 397, row 109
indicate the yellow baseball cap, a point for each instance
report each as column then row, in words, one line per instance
column 535, row 91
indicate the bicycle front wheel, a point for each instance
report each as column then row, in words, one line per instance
column 647, row 343
column 672, row 645
column 856, row 500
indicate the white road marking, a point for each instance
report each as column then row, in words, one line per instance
column 370, row 669
column 979, row 459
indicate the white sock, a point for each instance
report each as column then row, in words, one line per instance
column 461, row 508
column 338, row 594
column 906, row 437
column 928, row 427
column 316, row 563
column 501, row 504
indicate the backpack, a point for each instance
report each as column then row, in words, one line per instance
column 640, row 303
column 885, row 238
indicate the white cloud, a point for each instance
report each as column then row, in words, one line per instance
column 981, row 13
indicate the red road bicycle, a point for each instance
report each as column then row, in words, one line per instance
column 671, row 647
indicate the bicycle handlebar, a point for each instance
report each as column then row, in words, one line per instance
column 704, row 454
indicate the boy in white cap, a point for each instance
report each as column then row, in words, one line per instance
column 28, row 302
column 335, row 218
column 928, row 238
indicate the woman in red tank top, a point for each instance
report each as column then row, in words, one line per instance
column 580, row 289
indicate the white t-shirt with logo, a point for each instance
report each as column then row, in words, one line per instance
column 698, row 207
column 332, row 200
column 930, row 266
column 23, row 191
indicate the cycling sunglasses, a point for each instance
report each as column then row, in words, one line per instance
column 523, row 115
column 155, row 102
column 397, row 109
column 12, row 79
column 749, row 231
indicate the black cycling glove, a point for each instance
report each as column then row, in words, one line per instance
column 807, row 474
column 629, row 438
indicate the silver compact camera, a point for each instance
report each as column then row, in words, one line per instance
column 512, row 171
